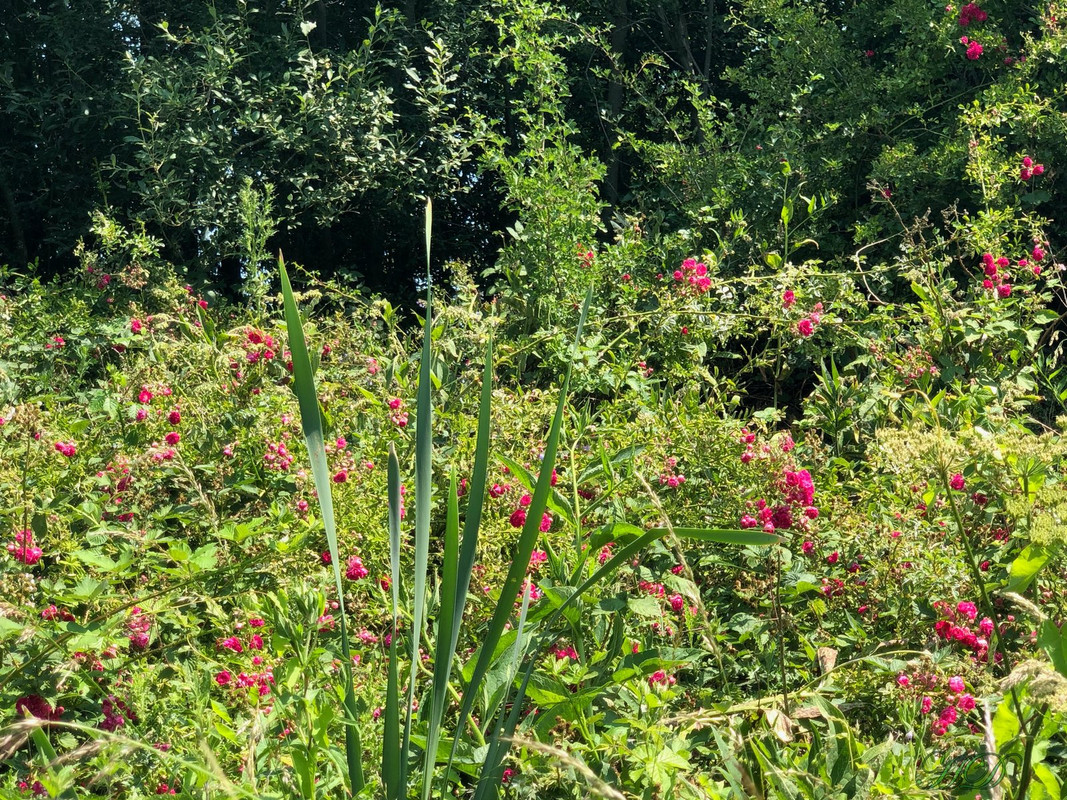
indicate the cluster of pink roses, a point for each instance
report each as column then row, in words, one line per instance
column 956, row 699
column 23, row 549
column 263, row 678
column 694, row 275
column 999, row 280
column 796, row 507
column 974, row 49
column 956, row 626
column 805, row 326
column 1030, row 170
column 972, row 13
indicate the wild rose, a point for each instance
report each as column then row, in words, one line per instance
column 903, row 681
column 496, row 490
column 971, row 13
column 68, row 449
column 805, row 328
column 145, row 396
column 807, row 548
column 356, row 571
column 974, row 51
column 661, row 678
column 232, row 643
column 174, row 417
column 927, row 705
column 173, row 438
column 956, row 684
column 677, row 602
column 957, row 482
column 788, row 299
column 135, row 326
column 546, row 523
column 518, row 518
column 37, row 706
column 833, row 557
column 1004, row 291
column 605, row 553
column 23, row 549
column 340, row 476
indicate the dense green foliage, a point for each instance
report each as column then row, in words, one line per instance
column 739, row 404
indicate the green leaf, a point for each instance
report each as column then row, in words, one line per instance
column 8, row 628
column 1053, row 641
column 95, row 559
column 1005, row 724
column 1026, row 567
column 520, row 562
column 645, row 606
column 446, row 619
column 391, row 753
column 1048, row 780
column 423, row 488
column 311, row 421
column 304, row 766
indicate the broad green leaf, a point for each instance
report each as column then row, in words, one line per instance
column 1005, row 724
column 1025, row 567
column 98, row 560
column 1053, row 641
column 645, row 606
column 1048, row 780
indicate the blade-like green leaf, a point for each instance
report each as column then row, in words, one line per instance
column 442, row 664
column 391, row 754
column 311, row 421
column 423, row 487
column 476, row 498
column 1053, row 641
column 491, row 773
column 527, row 539
column 473, row 520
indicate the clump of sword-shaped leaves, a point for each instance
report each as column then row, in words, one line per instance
column 457, row 563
